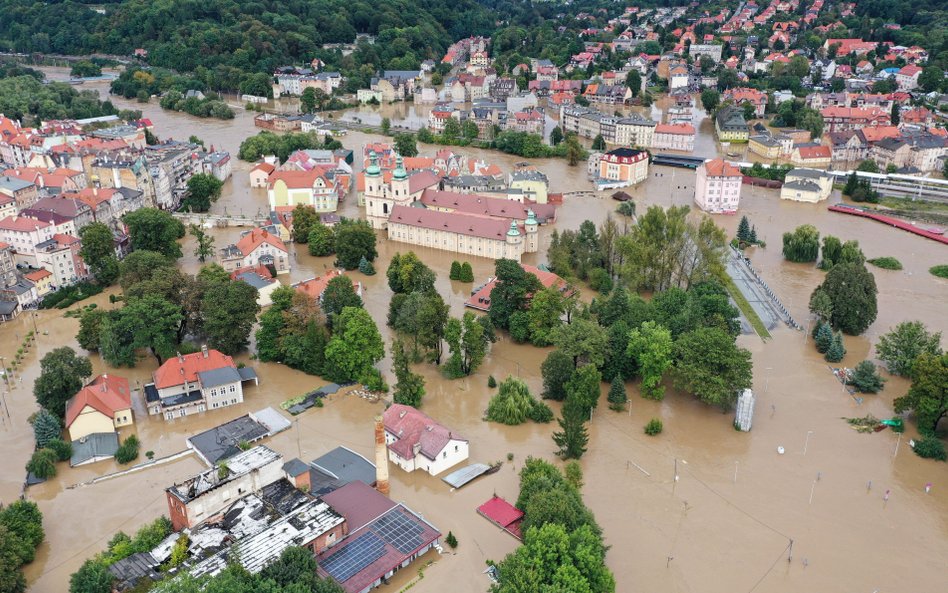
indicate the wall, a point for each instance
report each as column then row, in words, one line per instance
column 88, row 422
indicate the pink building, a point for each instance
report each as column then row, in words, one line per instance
column 718, row 187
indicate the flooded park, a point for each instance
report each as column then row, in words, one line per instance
column 700, row 508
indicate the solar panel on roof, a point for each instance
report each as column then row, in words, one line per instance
column 348, row 561
column 398, row 531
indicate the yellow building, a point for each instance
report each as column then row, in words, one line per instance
column 42, row 279
column 764, row 145
column 730, row 125
column 102, row 406
column 533, row 184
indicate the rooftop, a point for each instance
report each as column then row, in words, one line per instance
column 185, row 368
column 463, row 224
column 105, row 394
column 238, row 465
column 338, row 468
column 415, row 432
column 221, row 442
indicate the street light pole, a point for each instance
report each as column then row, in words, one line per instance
column 807, row 442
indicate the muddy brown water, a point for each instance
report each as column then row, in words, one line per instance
column 704, row 533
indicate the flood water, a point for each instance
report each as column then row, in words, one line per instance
column 706, row 533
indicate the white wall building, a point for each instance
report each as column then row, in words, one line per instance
column 415, row 441
column 718, row 187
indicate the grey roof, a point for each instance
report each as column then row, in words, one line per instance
column 466, row 474
column 246, row 373
column 338, row 468
column 8, row 307
column 890, row 143
column 283, row 496
column 222, row 441
column 129, row 571
column 13, row 183
column 94, row 447
column 810, row 173
column 22, row 286
column 295, row 467
column 217, row 377
column 528, row 176
column 731, row 119
column 802, row 185
column 765, row 139
column 254, row 279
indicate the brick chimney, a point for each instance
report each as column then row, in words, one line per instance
column 204, row 350
column 381, row 458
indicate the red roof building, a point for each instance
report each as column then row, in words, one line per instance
column 101, row 406
column 415, row 441
column 480, row 300
column 315, row 287
column 502, row 514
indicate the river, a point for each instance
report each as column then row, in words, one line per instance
column 724, row 526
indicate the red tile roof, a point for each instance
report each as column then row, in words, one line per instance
column 721, row 168
column 314, row 287
column 37, row 275
column 484, row 205
column 500, row 511
column 256, row 238
column 106, row 394
column 300, row 179
column 480, row 300
column 814, row 152
column 21, row 224
column 178, row 369
column 412, row 427
column 681, row 129
column 462, row 224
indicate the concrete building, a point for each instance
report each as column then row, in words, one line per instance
column 206, row 494
column 811, row 156
column 730, row 125
column 764, row 145
column 680, row 137
column 806, row 185
column 718, row 186
column 533, row 184
column 712, row 51
column 415, row 441
column 622, row 167
column 104, row 405
column 194, row 383
column 634, row 131
column 317, row 187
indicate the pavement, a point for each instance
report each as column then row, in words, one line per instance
column 755, row 292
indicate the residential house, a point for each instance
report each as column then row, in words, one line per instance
column 260, row 278
column 806, row 185
column 811, row 155
column 907, row 77
column 712, row 51
column 764, row 145
column 839, row 119
column 718, row 187
column 634, row 131
column 23, row 234
column 22, row 193
column 260, row 174
column 193, row 383
column 257, row 247
column 42, row 279
column 622, row 167
column 747, row 95
column 315, row 287
column 103, row 405
column 415, row 441
column 893, row 152
column 534, row 185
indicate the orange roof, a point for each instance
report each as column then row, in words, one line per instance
column 874, row 134
column 92, row 196
column 481, row 299
column 417, row 162
column 683, row 129
column 265, row 167
column 814, row 152
column 721, row 168
column 299, row 179
column 314, row 287
column 37, row 275
column 256, row 238
column 105, row 394
column 178, row 369
column 22, row 224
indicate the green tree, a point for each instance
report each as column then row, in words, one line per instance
column 90, row 328
column 583, row 389
column 573, row 436
column 866, row 379
column 229, row 311
column 42, row 464
column 598, row 143
column 467, row 274
column 583, row 340
column 405, row 145
column 557, row 369
column 424, row 317
column 617, row 397
column 512, row 404
column 802, row 245
column 62, row 374
column 205, row 243
column 409, row 387
column 556, row 136
column 743, row 230
column 633, row 80
column 355, row 347
column 710, row 99
column 321, row 240
column 927, row 397
column 455, row 273
column 823, row 338
column 931, row 79
column 452, row 129
column 851, row 289
column 574, row 151
column 203, row 189
column 546, row 309
column 61, row 448
column 46, row 427
column 386, row 126
column 467, row 339
column 140, row 266
column 469, row 130
column 511, row 292
column 98, row 252
column 895, row 115
column 407, row 273
column 836, row 351
column 92, row 577
column 154, row 230
column 366, row 267
column 338, row 295
column 355, row 239
column 868, row 166
column 149, row 322
column 304, row 219
column 651, row 346
column 901, row 347
column 308, row 100
column 709, row 365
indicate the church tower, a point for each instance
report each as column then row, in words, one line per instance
column 376, row 208
column 400, row 186
column 532, row 227
column 514, row 242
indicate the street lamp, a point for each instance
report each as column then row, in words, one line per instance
column 807, row 441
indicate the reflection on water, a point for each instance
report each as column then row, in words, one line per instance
column 707, row 534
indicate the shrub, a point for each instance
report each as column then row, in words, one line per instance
column 653, row 427
column 886, row 263
column 540, row 412
column 455, row 273
column 491, row 382
column 467, row 273
column 866, row 379
column 513, row 404
column 931, row 447
column 128, row 451
column 940, row 271
column 42, row 464
column 451, row 540
column 373, row 381
column 61, row 448
column 150, row 455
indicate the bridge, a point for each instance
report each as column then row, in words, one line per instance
column 208, row 220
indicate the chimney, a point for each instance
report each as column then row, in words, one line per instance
column 381, row 458
column 204, row 350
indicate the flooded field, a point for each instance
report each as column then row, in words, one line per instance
column 726, row 525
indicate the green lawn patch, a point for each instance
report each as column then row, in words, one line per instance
column 746, row 308
column 886, row 263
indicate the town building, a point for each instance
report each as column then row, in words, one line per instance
column 104, row 405
column 257, row 247
column 317, row 187
column 764, row 145
column 315, row 287
column 260, row 174
column 806, row 185
column 712, row 51
column 680, row 137
column 811, row 155
column 200, row 497
column 260, row 278
column 730, row 125
column 751, row 96
column 42, row 279
column 480, row 297
column 415, row 441
column 840, row 119
column 718, row 186
column 533, row 185
column 622, row 167
column 193, row 383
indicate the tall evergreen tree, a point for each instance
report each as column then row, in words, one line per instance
column 455, row 273
column 409, row 387
column 823, row 338
column 743, row 230
column 617, row 396
column 836, row 351
column 573, row 436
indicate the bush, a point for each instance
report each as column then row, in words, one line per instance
column 931, row 447
column 866, row 379
column 373, row 381
column 514, row 404
column 451, row 540
column 653, row 427
column 467, row 273
column 455, row 273
column 128, row 451
column 491, row 382
column 42, row 464
column 940, row 271
column 61, row 448
column 540, row 412
column 886, row 263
